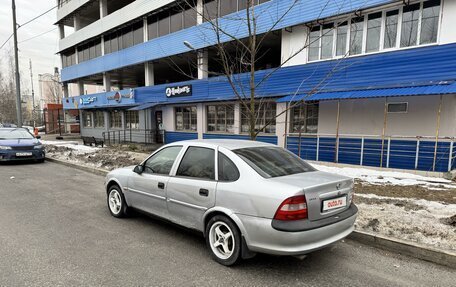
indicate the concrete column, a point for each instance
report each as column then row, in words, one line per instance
column 145, row 30
column 102, row 45
column 62, row 31
column 149, row 73
column 81, row 88
column 107, row 82
column 237, row 118
column 281, row 124
column 77, row 22
column 203, row 64
column 200, row 120
column 199, row 9
column 103, row 8
column 65, row 90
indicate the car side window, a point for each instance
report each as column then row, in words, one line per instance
column 162, row 161
column 227, row 170
column 198, row 162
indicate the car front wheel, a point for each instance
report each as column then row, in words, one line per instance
column 116, row 202
column 224, row 240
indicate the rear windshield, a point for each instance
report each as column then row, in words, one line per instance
column 15, row 134
column 273, row 161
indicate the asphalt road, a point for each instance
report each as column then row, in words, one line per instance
column 55, row 229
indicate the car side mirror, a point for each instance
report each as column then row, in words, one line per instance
column 138, row 169
column 38, row 137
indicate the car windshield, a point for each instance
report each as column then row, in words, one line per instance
column 273, row 161
column 15, row 134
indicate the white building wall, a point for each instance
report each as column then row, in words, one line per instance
column 366, row 116
column 293, row 42
column 447, row 30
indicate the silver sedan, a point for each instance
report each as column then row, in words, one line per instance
column 244, row 196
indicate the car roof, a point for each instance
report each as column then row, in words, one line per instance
column 230, row 144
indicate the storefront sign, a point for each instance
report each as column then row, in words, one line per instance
column 87, row 100
column 179, row 91
column 118, row 96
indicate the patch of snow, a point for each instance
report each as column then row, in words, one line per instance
column 380, row 177
column 74, row 145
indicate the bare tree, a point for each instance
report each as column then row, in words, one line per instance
column 7, row 91
column 238, row 57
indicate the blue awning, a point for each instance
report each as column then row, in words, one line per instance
column 144, row 107
column 435, row 89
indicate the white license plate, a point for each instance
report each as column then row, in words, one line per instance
column 334, row 203
column 23, row 154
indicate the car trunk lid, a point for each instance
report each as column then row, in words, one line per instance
column 326, row 194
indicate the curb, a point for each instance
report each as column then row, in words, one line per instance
column 408, row 248
column 94, row 170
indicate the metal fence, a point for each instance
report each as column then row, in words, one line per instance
column 416, row 153
column 147, row 136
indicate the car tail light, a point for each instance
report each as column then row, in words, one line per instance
column 292, row 208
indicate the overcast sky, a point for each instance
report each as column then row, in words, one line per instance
column 41, row 50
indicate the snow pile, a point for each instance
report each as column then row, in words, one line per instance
column 420, row 221
column 380, row 177
column 72, row 145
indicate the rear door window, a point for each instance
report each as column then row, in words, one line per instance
column 227, row 170
column 198, row 162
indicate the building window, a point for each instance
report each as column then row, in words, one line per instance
column 115, row 119
column 185, row 118
column 265, row 113
column 314, row 44
column 220, row 118
column 304, row 118
column 410, row 18
column 430, row 22
column 356, row 35
column 132, row 119
column 341, row 44
column 391, row 22
column 374, row 25
column 397, row 108
column 327, row 36
column 87, row 119
column 376, row 31
column 89, row 50
column 98, row 119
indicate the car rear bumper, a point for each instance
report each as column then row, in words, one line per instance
column 262, row 237
column 11, row 155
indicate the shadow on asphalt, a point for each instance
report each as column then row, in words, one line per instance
column 285, row 264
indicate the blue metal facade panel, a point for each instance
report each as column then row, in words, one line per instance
column 171, row 137
column 202, row 36
column 400, row 71
column 349, row 150
column 266, row 139
column 402, row 153
column 444, row 88
column 308, row 147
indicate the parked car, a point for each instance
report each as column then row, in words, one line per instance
column 19, row 144
column 244, row 196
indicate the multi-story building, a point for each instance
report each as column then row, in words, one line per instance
column 375, row 79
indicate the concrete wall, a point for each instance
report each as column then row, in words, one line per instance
column 366, row 116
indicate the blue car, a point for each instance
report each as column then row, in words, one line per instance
column 19, row 144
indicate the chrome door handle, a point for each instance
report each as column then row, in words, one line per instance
column 204, row 192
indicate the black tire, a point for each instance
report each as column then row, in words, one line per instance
column 40, row 160
column 123, row 209
column 223, row 221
